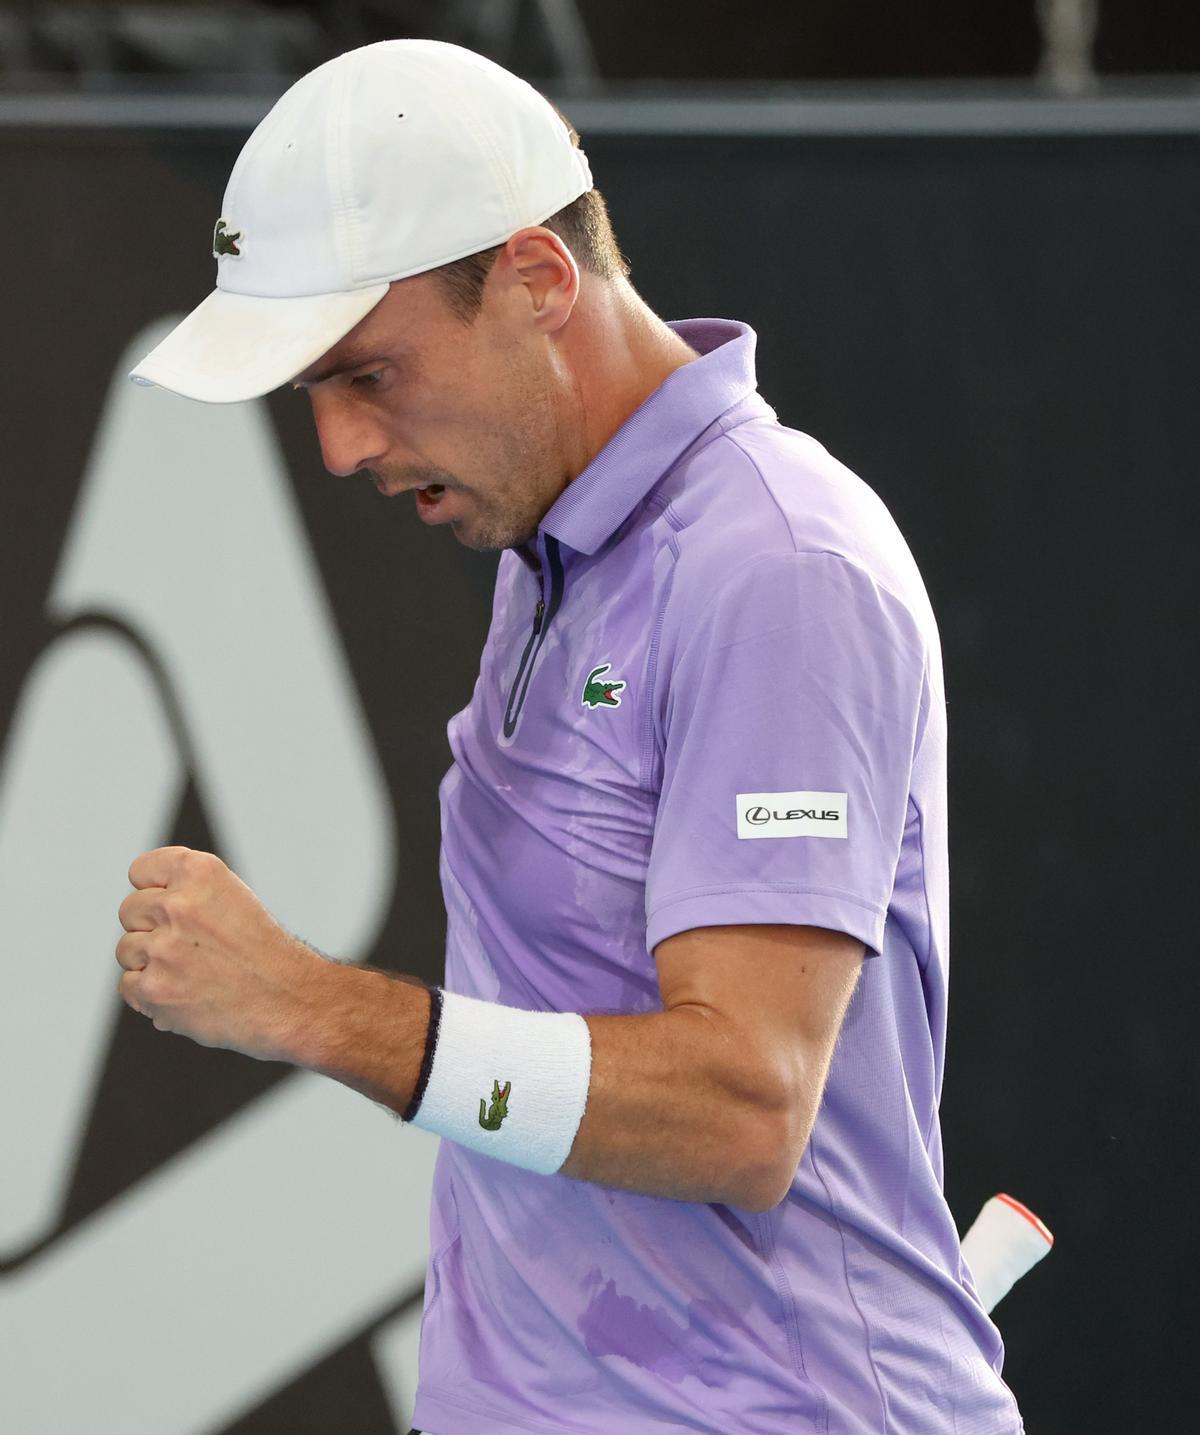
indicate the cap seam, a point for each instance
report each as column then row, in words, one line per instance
column 500, row 167
column 345, row 226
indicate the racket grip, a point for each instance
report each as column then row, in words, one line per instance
column 1005, row 1241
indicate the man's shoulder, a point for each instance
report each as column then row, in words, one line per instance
column 760, row 491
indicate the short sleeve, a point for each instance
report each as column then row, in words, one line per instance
column 790, row 716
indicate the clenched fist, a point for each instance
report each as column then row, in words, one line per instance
column 205, row 959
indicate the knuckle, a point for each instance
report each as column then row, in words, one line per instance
column 193, row 863
column 206, row 865
column 176, row 909
column 164, row 904
column 131, row 953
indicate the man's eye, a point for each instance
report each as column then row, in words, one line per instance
column 368, row 380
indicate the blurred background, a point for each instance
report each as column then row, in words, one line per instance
column 966, row 236
column 601, row 46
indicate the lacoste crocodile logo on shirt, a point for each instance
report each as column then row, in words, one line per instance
column 498, row 1109
column 597, row 694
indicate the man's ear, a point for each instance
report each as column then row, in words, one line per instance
column 545, row 269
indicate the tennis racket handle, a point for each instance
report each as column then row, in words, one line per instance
column 1006, row 1240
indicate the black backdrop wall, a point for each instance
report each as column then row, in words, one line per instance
column 998, row 334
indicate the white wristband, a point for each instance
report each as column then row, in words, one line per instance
column 509, row 1083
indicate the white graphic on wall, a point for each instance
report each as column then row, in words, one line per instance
column 300, row 1222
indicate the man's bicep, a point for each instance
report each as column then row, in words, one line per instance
column 775, row 996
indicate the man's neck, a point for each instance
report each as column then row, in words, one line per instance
column 618, row 353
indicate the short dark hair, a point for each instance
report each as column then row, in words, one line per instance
column 583, row 226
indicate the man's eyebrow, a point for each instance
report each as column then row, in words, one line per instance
column 353, row 360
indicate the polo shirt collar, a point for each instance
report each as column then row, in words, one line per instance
column 650, row 441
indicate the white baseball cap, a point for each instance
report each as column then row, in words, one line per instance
column 384, row 162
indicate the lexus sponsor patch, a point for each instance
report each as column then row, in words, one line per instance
column 791, row 814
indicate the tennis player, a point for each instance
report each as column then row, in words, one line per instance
column 688, row 1052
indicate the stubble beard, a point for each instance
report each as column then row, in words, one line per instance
column 529, row 459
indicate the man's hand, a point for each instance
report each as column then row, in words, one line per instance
column 205, row 959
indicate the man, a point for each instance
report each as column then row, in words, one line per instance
column 688, row 1053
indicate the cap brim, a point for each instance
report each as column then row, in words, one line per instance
column 241, row 346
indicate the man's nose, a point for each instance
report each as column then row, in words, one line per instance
column 350, row 439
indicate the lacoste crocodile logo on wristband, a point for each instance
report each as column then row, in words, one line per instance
column 499, row 1107
column 596, row 694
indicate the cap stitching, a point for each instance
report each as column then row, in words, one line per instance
column 345, row 211
column 498, row 163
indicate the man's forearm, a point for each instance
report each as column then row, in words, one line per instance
column 665, row 1116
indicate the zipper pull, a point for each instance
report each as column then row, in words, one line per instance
column 537, row 616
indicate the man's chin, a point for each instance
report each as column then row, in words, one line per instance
column 477, row 529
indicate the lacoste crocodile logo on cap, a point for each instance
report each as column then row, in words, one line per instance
column 225, row 240
column 597, row 694
column 499, row 1108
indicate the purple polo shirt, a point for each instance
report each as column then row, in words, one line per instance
column 715, row 696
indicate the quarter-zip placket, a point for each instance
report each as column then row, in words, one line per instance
column 543, row 615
